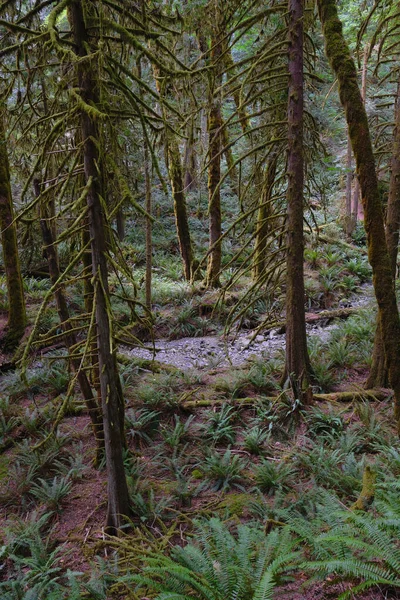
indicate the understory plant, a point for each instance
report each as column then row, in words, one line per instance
column 219, row 565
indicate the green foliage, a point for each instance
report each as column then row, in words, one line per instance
column 7, row 424
column 254, row 440
column 187, row 323
column 271, row 476
column 35, row 566
column 360, row 268
column 323, row 376
column 142, row 424
column 331, row 468
column 161, row 392
column 312, row 256
column 322, row 423
column 147, row 508
column 179, row 433
column 222, row 471
column 51, row 493
column 364, row 546
column 219, row 426
column 340, row 353
column 220, row 565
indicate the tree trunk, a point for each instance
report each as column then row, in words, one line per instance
column 180, row 208
column 379, row 372
column 70, row 337
column 343, row 65
column 149, row 229
column 349, row 178
column 16, row 302
column 120, row 218
column 190, row 162
column 88, row 296
column 356, row 196
column 111, row 393
column 230, row 162
column 262, row 225
column 297, row 361
column 214, row 127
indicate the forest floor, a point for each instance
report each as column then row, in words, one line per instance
column 210, row 433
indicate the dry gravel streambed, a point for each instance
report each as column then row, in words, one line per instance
column 213, row 351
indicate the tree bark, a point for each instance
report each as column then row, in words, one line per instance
column 120, row 218
column 190, row 159
column 262, row 225
column 16, row 301
column 214, row 127
column 349, row 178
column 180, row 208
column 356, row 196
column 149, row 229
column 379, row 373
column 111, row 393
column 298, row 366
column 343, row 65
column 375, row 395
column 230, row 162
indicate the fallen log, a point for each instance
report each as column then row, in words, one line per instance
column 340, row 242
column 378, row 395
column 324, row 315
column 147, row 364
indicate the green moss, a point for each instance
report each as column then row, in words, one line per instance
column 235, row 504
column 197, row 474
column 367, row 493
column 16, row 301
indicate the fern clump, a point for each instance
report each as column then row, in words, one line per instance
column 360, row 545
column 219, row 565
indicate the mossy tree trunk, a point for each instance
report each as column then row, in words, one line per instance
column 88, row 296
column 149, row 229
column 262, row 225
column 230, row 161
column 344, row 68
column 297, row 361
column 16, row 302
column 180, row 208
column 190, row 161
column 111, row 392
column 120, row 220
column 349, row 179
column 379, row 372
column 214, row 127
